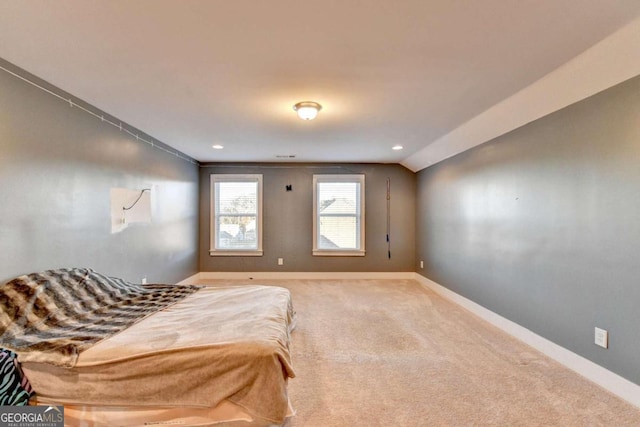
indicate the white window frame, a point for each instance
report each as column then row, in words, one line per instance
column 215, row 251
column 352, row 178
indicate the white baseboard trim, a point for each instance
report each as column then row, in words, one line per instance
column 330, row 275
column 189, row 280
column 611, row 381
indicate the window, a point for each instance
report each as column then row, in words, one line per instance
column 338, row 215
column 236, row 215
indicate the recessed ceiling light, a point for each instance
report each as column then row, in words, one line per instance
column 218, row 146
column 397, row 147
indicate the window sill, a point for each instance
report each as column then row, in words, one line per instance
column 327, row 252
column 219, row 252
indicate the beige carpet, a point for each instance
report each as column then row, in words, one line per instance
column 391, row 353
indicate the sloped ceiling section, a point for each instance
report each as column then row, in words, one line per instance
column 434, row 76
column 611, row 61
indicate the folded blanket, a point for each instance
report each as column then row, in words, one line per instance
column 52, row 316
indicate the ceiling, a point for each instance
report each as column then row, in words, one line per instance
column 194, row 73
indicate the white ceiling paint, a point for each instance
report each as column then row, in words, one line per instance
column 194, row 73
column 611, row 61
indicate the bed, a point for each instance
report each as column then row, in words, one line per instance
column 117, row 353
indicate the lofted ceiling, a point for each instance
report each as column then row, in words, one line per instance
column 194, row 73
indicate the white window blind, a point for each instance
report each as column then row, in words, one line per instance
column 236, row 219
column 338, row 215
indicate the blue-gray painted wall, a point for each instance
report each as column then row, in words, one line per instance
column 57, row 167
column 288, row 219
column 542, row 226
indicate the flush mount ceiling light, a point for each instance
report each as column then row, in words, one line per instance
column 397, row 147
column 307, row 110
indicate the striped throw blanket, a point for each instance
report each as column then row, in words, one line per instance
column 53, row 316
column 15, row 389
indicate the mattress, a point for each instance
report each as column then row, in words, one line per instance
column 229, row 344
column 139, row 416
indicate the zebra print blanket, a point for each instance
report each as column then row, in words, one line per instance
column 52, row 316
column 15, row 389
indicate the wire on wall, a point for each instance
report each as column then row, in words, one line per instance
column 389, row 217
column 101, row 117
column 137, row 200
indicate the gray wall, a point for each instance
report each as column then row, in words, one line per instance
column 542, row 226
column 288, row 219
column 57, row 167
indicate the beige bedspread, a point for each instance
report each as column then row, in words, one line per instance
column 219, row 343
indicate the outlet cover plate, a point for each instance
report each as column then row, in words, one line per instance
column 602, row 338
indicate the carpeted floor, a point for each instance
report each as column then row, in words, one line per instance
column 392, row 353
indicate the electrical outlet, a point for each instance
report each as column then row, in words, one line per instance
column 421, row 264
column 602, row 338
column 143, row 281
column 280, row 261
